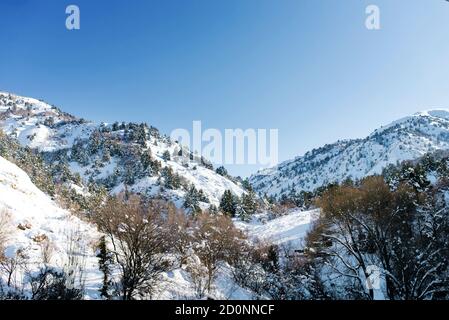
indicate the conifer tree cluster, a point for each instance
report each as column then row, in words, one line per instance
column 192, row 199
column 243, row 207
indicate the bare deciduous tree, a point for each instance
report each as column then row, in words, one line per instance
column 179, row 229
column 5, row 221
column 10, row 264
column 139, row 240
column 401, row 232
column 216, row 239
column 47, row 250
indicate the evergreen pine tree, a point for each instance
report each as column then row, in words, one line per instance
column 247, row 185
column 105, row 261
column 166, row 155
column 228, row 203
column 222, row 171
column 247, row 206
column 192, row 200
column 141, row 135
column 213, row 209
column 146, row 158
column 171, row 179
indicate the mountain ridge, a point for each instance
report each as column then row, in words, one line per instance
column 120, row 156
column 404, row 139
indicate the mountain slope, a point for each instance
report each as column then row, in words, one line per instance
column 289, row 229
column 405, row 139
column 45, row 236
column 37, row 227
column 119, row 156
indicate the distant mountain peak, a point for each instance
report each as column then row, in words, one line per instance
column 442, row 113
column 404, row 139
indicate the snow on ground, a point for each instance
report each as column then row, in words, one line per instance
column 35, row 216
column 36, row 220
column 288, row 229
column 178, row 286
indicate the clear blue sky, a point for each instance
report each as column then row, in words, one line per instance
column 307, row 67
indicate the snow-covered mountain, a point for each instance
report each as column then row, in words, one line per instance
column 119, row 156
column 405, row 139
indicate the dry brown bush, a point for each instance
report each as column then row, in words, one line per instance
column 139, row 240
column 216, row 239
column 179, row 226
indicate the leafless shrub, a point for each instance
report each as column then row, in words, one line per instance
column 49, row 284
column 74, row 267
column 216, row 239
column 278, row 210
column 139, row 239
column 179, row 226
column 10, row 264
column 402, row 232
column 47, row 250
column 5, row 222
column 199, row 276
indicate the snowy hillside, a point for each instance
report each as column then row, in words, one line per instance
column 44, row 234
column 39, row 125
column 405, row 139
column 289, row 229
column 39, row 230
column 118, row 156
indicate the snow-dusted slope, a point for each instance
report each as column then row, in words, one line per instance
column 39, row 125
column 404, row 139
column 37, row 225
column 112, row 155
column 289, row 229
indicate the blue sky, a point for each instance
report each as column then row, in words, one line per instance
column 309, row 68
